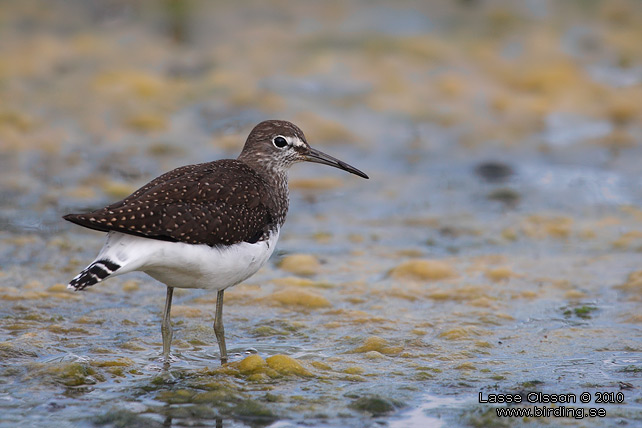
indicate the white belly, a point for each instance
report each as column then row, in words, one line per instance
column 189, row 266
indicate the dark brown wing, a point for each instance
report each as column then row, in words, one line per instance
column 216, row 203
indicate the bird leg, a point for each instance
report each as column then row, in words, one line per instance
column 218, row 327
column 166, row 325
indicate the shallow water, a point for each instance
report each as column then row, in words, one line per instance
column 495, row 249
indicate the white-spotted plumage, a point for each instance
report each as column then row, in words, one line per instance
column 178, row 264
column 209, row 226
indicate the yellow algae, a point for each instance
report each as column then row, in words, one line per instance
column 131, row 285
column 20, row 240
column 462, row 333
column 67, row 295
column 467, row 292
column 408, row 291
column 228, row 141
column 146, row 122
column 88, row 320
column 120, row 362
column 493, row 318
column 560, row 283
column 72, row 374
column 328, row 325
column 628, row 240
column 14, row 293
column 483, row 302
column 483, row 344
column 252, row 364
column 115, row 371
column 268, row 101
column 618, row 139
column 379, row 344
column 547, row 77
column 499, row 274
column 322, row 237
column 215, row 396
column 57, row 328
column 10, row 350
column 186, row 311
column 355, row 370
column 177, row 396
column 320, row 183
column 164, row 149
column 132, row 345
column 82, row 192
column 410, row 252
column 354, row 316
column 320, row 365
column 526, row 294
column 501, row 102
column 300, row 264
column 373, row 355
column 503, row 316
column 416, row 48
column 574, row 294
column 262, row 377
column 466, row 366
column 57, row 288
column 356, row 238
column 135, row 82
column 286, row 365
column 451, row 85
column 325, row 130
column 483, row 261
column 354, row 378
column 15, row 120
column 586, row 233
column 297, row 297
column 426, row 270
column 539, row 226
column 180, row 292
column 10, row 293
column 242, row 293
column 182, row 344
column 244, row 96
column 266, row 330
column 33, row 285
column 621, row 108
column 60, row 243
column 293, row 281
column 430, row 222
column 225, row 78
column 632, row 211
column 633, row 283
column 117, row 189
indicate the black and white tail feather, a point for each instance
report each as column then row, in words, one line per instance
column 93, row 274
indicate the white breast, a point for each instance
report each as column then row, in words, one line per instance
column 188, row 266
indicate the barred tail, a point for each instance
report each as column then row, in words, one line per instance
column 93, row 274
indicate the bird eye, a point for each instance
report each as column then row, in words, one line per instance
column 279, row 142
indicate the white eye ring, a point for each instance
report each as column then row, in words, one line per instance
column 280, row 142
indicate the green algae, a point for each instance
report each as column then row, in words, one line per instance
column 584, row 312
column 375, row 405
column 126, row 419
column 252, row 410
column 9, row 350
column 69, row 374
